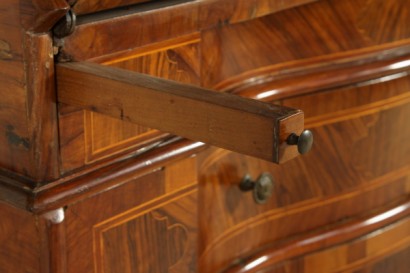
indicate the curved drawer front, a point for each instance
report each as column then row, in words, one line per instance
column 349, row 75
column 358, row 167
column 383, row 250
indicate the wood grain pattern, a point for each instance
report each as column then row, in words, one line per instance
column 395, row 262
column 346, row 169
column 14, row 190
column 278, row 41
column 97, row 136
column 27, row 117
column 177, row 59
column 214, row 13
column 264, row 71
column 89, row 6
column 18, row 251
column 161, row 240
column 368, row 93
column 136, row 232
column 154, row 24
column 40, row 16
column 98, row 35
column 385, row 30
column 82, row 254
column 41, row 108
column 105, row 136
column 177, row 176
column 13, row 144
column 56, row 249
column 220, row 119
column 398, row 262
column 271, row 86
column 231, row 10
column 375, row 55
column 97, row 178
column 72, row 140
column 282, row 221
column 136, row 206
column 345, row 249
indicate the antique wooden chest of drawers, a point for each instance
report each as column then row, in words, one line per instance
column 176, row 136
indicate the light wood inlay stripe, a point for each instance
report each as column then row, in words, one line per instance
column 357, row 112
column 305, row 207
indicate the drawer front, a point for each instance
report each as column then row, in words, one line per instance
column 88, row 137
column 375, row 252
column 358, row 167
column 148, row 224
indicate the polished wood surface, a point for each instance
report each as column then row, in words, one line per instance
column 152, row 25
column 278, row 41
column 340, row 254
column 261, row 77
column 324, row 186
column 40, row 16
column 98, row 178
column 219, row 119
column 16, row 154
column 42, row 125
column 133, row 232
column 19, row 252
column 81, row 191
column 29, row 141
column 176, row 60
column 89, row 6
column 230, row 10
column 320, row 79
column 394, row 262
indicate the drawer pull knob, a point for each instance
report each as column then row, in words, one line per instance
column 304, row 141
column 199, row 114
column 262, row 188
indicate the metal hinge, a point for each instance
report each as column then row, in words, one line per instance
column 66, row 25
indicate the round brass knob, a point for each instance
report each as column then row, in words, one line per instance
column 262, row 188
column 304, row 141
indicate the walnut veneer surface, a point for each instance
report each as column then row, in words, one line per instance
column 81, row 191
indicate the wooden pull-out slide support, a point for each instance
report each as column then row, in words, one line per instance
column 228, row 121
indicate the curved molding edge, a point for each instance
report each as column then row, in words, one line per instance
column 309, row 244
column 23, row 193
column 321, row 73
